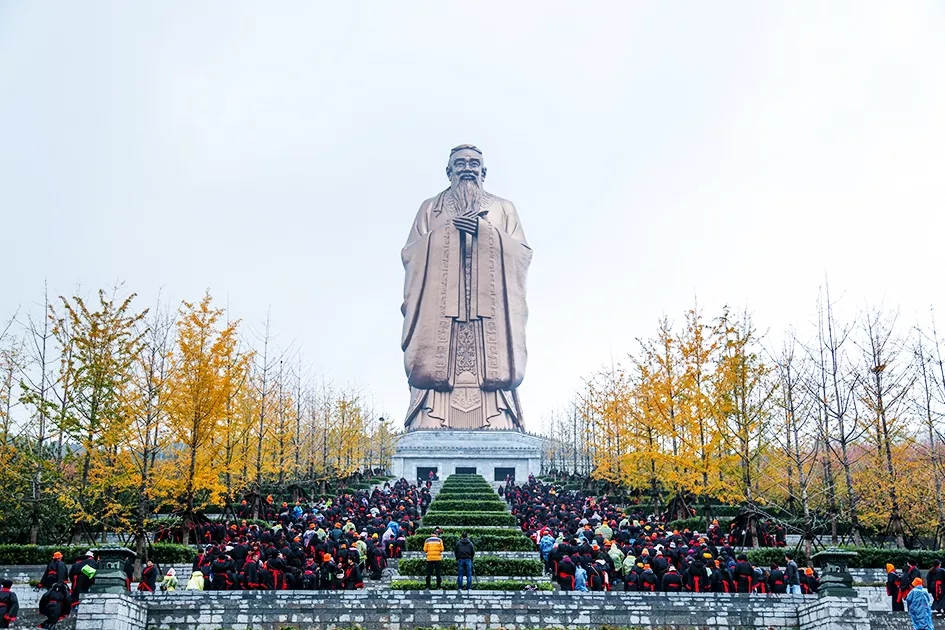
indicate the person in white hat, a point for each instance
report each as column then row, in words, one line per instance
column 170, row 582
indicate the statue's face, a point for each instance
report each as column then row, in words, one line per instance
column 466, row 165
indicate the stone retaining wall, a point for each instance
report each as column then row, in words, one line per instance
column 482, row 610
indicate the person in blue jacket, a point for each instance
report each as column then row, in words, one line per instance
column 919, row 602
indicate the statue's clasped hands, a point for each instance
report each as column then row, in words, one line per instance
column 467, row 223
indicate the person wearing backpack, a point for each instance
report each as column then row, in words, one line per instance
column 82, row 576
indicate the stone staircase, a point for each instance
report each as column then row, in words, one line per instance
column 392, row 574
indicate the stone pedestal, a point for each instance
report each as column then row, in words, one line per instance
column 110, row 576
column 490, row 453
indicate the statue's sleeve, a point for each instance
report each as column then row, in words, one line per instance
column 431, row 297
column 503, row 260
column 414, row 257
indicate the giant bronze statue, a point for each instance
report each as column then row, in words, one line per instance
column 464, row 309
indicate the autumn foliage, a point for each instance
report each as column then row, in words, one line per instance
column 836, row 427
column 111, row 413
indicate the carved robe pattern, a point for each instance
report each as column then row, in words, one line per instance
column 464, row 316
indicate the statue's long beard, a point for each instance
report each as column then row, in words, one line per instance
column 467, row 193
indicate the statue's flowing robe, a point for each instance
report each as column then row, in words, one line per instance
column 464, row 316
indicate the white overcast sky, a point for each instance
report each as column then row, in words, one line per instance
column 276, row 153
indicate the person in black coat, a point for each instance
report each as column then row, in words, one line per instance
column 697, row 577
column 55, row 572
column 648, row 581
column 892, row 588
column 250, row 573
column 148, row 578
column 596, row 576
column 935, row 582
column 743, row 573
column 78, row 576
column 55, row 605
column 905, row 582
column 672, row 582
column 352, row 579
column 777, row 584
column 9, row 604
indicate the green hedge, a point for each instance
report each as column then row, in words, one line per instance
column 468, row 495
column 482, row 565
column 466, row 481
column 459, row 505
column 867, row 557
column 468, row 518
column 764, row 557
column 482, row 542
column 164, row 553
column 459, row 488
column 497, row 585
column 511, row 532
column 877, row 557
column 694, row 524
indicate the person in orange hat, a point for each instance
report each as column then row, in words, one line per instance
column 919, row 602
column 810, row 583
column 892, row 588
column 55, row 572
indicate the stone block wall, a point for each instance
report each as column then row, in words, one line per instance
column 107, row 611
column 479, row 610
column 834, row 613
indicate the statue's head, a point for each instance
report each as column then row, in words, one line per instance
column 465, row 164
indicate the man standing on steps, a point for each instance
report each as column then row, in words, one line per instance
column 433, row 547
column 465, row 552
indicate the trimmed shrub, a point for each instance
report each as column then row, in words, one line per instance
column 474, row 493
column 877, row 557
column 164, row 553
column 497, row 585
column 477, row 488
column 466, row 480
column 764, row 557
column 696, row 523
column 867, row 557
column 460, row 505
column 483, row 542
column 468, row 518
column 509, row 532
column 483, row 565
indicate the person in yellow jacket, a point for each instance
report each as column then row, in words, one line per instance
column 433, row 547
column 195, row 583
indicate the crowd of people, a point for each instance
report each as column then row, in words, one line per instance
column 589, row 544
column 332, row 544
column 586, row 544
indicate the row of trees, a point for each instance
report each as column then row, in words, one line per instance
column 110, row 412
column 840, row 422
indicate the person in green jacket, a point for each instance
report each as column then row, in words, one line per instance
column 170, row 582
